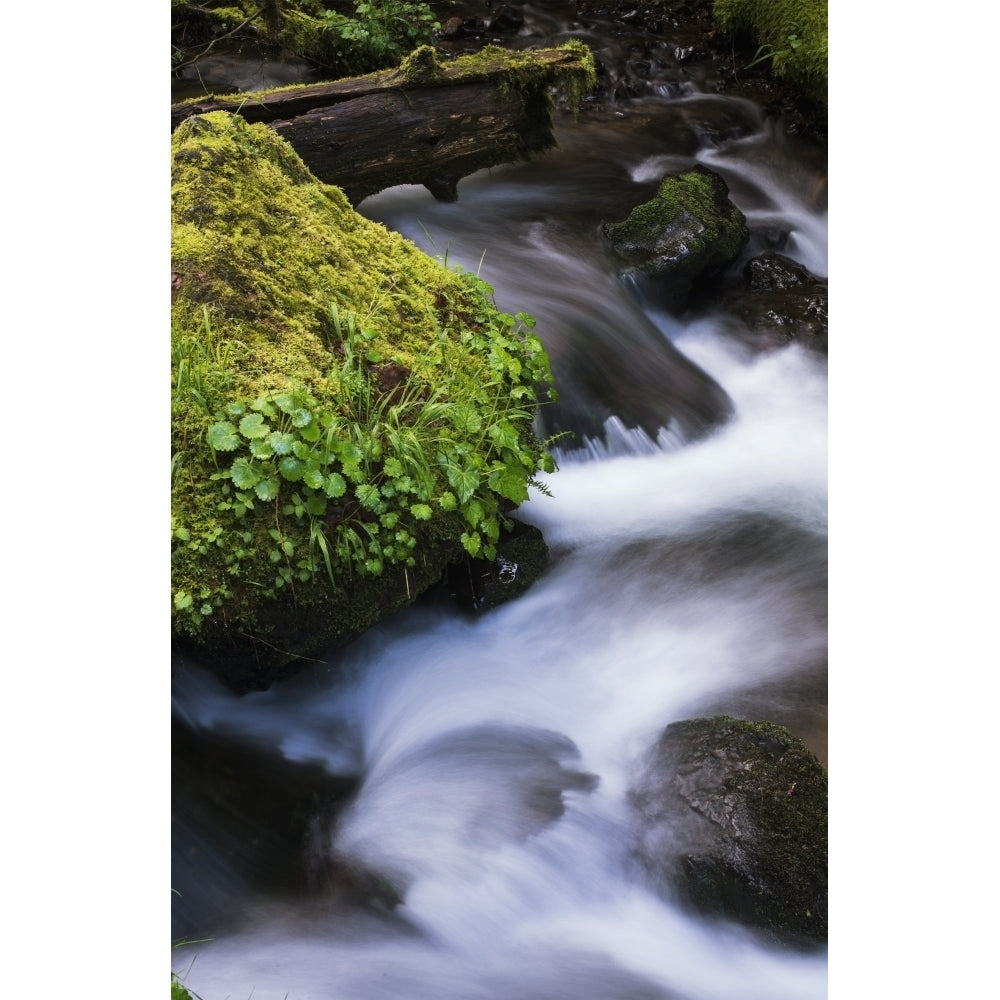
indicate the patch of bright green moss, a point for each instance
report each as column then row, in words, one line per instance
column 297, row 322
column 793, row 33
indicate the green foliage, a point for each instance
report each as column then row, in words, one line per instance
column 346, row 481
column 343, row 405
column 376, row 35
column 791, row 34
column 379, row 33
column 178, row 991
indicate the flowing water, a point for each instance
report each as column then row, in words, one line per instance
column 484, row 762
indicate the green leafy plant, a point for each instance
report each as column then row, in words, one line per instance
column 769, row 52
column 349, row 479
column 789, row 34
column 379, row 33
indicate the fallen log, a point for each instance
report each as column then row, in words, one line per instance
column 424, row 122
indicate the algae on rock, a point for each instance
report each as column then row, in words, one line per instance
column 348, row 414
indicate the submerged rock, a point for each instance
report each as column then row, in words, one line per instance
column 687, row 233
column 437, row 807
column 732, row 820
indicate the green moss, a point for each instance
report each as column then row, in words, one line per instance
column 524, row 72
column 793, row 33
column 287, row 301
column 690, row 221
column 420, row 66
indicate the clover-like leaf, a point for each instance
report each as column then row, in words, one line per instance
column 223, row 437
column 253, row 425
column 281, row 442
column 284, row 401
column 421, row 511
column 291, row 468
column 263, row 404
column 301, row 417
column 267, row 489
column 334, row 485
column 368, row 495
column 245, row 474
column 312, row 476
column 261, row 448
column 393, row 467
column 447, row 501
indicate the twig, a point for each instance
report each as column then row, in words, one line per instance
column 211, row 45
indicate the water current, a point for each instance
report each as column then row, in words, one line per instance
column 483, row 762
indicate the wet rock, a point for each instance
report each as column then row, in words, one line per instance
column 507, row 19
column 732, row 820
column 783, row 302
column 687, row 233
column 452, row 28
column 481, row 584
column 221, row 783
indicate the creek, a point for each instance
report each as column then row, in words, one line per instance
column 479, row 765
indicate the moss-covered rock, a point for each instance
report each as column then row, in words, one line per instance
column 349, row 416
column 732, row 817
column 687, row 232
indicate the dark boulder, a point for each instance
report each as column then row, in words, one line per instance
column 507, row 19
column 732, row 821
column 782, row 302
column 689, row 232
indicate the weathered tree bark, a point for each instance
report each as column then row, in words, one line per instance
column 424, row 122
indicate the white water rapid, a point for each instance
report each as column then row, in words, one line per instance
column 494, row 754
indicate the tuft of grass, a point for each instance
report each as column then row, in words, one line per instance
column 791, row 34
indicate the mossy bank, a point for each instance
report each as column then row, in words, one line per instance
column 791, row 35
column 349, row 415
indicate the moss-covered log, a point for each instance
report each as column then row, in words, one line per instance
column 424, row 122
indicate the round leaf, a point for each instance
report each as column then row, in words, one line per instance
column 244, row 473
column 253, row 425
column 267, row 489
column 334, row 485
column 281, row 442
column 223, row 437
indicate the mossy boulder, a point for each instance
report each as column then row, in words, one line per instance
column 732, row 821
column 349, row 416
column 685, row 234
